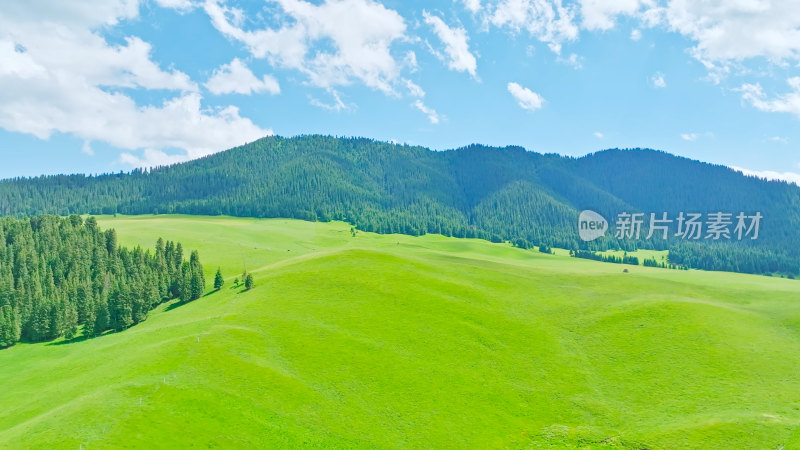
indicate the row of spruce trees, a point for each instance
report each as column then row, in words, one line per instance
column 58, row 274
column 625, row 259
column 498, row 194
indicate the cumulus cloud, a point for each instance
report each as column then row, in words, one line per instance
column 360, row 33
column 433, row 116
column 472, row 5
column 773, row 29
column 236, row 77
column 72, row 14
column 636, row 34
column 715, row 27
column 41, row 50
column 786, row 103
column 456, row 44
column 182, row 5
column 790, row 177
column 526, row 98
column 658, row 81
column 549, row 21
column 598, row 135
column 92, row 114
column 601, row 14
column 59, row 75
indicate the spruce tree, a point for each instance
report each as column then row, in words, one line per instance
column 102, row 319
column 57, row 274
column 249, row 282
column 9, row 326
column 198, row 281
column 218, row 280
column 186, row 284
column 70, row 320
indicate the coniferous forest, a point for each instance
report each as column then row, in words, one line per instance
column 498, row 194
column 60, row 274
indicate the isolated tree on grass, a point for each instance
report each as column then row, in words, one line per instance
column 249, row 282
column 218, row 280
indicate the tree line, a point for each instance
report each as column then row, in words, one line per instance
column 624, row 259
column 497, row 194
column 58, row 275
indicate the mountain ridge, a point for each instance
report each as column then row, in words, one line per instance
column 495, row 193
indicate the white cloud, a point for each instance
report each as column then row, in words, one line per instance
column 95, row 115
column 601, row 14
column 573, row 60
column 433, row 116
column 151, row 158
column 236, row 77
column 410, row 61
column 337, row 105
column 779, row 139
column 183, row 5
column 732, row 31
column 790, row 177
column 456, row 44
column 75, row 13
column 690, row 136
column 526, row 98
column 472, row 5
column 59, row 75
column 35, row 50
column 360, row 32
column 549, row 21
column 598, row 135
column 724, row 33
column 658, row 80
column 414, row 90
column 786, row 103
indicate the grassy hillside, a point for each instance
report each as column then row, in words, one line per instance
column 399, row 341
column 473, row 192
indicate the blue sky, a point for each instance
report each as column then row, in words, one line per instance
column 89, row 86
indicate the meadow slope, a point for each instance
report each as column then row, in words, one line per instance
column 385, row 341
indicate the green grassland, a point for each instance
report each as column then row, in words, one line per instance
column 385, row 341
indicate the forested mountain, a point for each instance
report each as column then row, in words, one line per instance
column 59, row 273
column 493, row 193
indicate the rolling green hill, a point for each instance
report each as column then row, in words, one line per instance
column 386, row 341
column 477, row 191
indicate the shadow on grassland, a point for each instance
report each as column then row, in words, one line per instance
column 172, row 304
